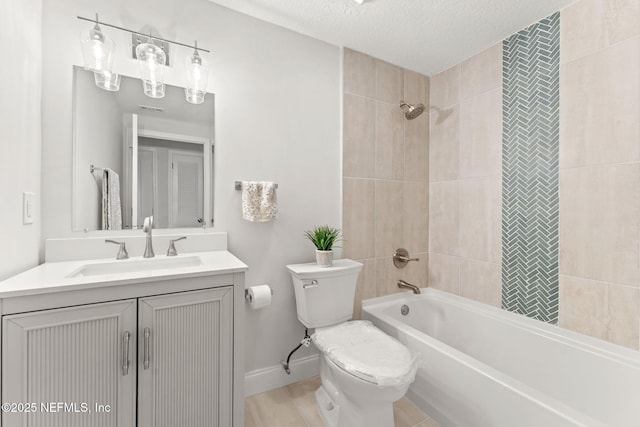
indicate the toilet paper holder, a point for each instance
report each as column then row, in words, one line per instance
column 247, row 296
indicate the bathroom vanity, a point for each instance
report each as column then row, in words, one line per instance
column 135, row 342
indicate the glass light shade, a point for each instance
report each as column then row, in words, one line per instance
column 107, row 80
column 153, row 89
column 97, row 50
column 197, row 75
column 151, row 60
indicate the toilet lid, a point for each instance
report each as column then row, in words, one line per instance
column 366, row 352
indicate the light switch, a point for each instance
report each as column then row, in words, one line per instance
column 28, row 208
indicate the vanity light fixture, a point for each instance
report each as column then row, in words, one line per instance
column 197, row 74
column 97, row 49
column 151, row 59
column 107, row 80
column 98, row 56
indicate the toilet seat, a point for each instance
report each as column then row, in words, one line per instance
column 364, row 351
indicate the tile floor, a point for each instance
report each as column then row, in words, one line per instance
column 294, row 405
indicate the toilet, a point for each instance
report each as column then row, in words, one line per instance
column 363, row 370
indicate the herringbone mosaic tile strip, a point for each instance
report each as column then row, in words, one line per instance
column 530, row 143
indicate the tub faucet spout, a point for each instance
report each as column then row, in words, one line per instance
column 403, row 284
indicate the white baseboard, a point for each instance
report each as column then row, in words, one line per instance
column 274, row 376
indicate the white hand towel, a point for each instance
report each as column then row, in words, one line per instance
column 259, row 201
column 111, row 208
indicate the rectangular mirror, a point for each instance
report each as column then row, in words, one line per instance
column 159, row 153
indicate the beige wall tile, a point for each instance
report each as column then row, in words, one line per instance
column 366, row 287
column 496, row 256
column 417, row 272
column 481, row 72
column 602, row 310
column 416, row 88
column 358, row 218
column 624, row 312
column 387, row 276
column 389, row 141
column 481, row 281
column 444, row 273
column 600, row 107
column 478, row 203
column 444, row 145
column 416, row 217
column 359, row 136
column 481, row 135
column 416, row 148
column 390, row 83
column 589, row 25
column 599, row 223
column 359, row 73
column 389, row 206
column 443, row 217
column 445, row 88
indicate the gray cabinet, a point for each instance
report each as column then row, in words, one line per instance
column 58, row 364
column 185, row 356
column 168, row 358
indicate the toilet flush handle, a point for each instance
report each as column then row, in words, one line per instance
column 312, row 284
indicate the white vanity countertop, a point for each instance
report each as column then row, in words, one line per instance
column 54, row 276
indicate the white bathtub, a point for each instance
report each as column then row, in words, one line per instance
column 482, row 366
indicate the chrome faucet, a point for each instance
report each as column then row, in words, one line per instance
column 172, row 247
column 122, row 251
column 147, row 227
column 403, row 284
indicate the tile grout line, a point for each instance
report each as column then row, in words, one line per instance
column 459, row 202
column 603, row 282
column 596, row 51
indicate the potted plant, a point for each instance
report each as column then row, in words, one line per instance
column 323, row 237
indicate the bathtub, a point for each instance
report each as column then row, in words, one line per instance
column 482, row 366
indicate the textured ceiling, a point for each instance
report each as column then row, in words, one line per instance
column 427, row 36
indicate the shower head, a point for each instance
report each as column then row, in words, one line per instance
column 411, row 111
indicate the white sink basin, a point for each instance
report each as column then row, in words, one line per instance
column 135, row 266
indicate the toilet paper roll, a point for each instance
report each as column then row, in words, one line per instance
column 259, row 296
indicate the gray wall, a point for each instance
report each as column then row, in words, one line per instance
column 277, row 118
column 20, row 132
column 99, row 134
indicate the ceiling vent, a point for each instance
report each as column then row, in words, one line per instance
column 150, row 108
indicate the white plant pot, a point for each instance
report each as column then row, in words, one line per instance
column 324, row 258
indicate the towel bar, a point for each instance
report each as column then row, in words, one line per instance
column 239, row 185
column 93, row 168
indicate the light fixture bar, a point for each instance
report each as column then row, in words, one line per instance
column 95, row 21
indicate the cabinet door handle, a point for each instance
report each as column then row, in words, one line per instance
column 126, row 336
column 147, row 334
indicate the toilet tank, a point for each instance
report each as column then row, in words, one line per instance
column 325, row 295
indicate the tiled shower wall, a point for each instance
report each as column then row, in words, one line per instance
column 465, row 178
column 599, row 251
column 600, row 169
column 385, row 173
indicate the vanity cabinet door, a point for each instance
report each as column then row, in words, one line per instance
column 185, row 348
column 71, row 367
